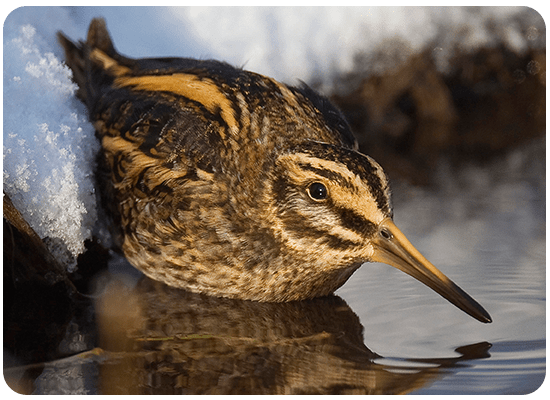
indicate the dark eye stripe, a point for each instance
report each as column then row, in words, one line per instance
column 350, row 218
column 357, row 163
column 329, row 174
column 355, row 222
column 299, row 227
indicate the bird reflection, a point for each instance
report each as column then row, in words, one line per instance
column 163, row 340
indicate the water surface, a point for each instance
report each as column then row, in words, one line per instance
column 383, row 332
column 484, row 227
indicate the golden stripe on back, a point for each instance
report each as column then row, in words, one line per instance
column 203, row 91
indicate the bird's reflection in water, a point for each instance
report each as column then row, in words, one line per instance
column 161, row 340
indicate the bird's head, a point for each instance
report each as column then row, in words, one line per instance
column 333, row 205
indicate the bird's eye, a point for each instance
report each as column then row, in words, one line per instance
column 317, row 191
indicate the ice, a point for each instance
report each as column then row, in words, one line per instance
column 49, row 146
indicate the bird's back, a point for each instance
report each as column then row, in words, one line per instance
column 215, row 89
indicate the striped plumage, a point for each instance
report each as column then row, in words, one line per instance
column 227, row 182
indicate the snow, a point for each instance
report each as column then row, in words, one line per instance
column 49, row 147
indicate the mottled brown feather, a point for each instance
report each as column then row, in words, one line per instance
column 205, row 171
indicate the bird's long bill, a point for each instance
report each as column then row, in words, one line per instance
column 393, row 248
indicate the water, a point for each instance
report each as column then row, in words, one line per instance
column 383, row 332
column 484, row 228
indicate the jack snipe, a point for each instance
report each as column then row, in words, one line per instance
column 229, row 183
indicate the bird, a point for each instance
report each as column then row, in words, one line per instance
column 229, row 183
